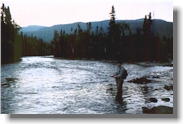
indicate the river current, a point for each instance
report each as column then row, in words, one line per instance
column 46, row 85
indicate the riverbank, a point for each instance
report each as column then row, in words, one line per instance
column 145, row 64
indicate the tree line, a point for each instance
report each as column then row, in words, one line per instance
column 14, row 44
column 33, row 46
column 117, row 44
column 10, row 43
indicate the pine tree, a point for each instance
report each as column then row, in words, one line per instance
column 8, row 18
column 111, row 35
column 112, row 17
column 147, row 34
column 10, row 41
column 56, row 44
column 97, row 31
column 89, row 27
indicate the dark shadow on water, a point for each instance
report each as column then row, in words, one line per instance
column 111, row 89
column 121, row 107
column 142, row 80
column 8, row 82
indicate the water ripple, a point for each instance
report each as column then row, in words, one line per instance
column 40, row 85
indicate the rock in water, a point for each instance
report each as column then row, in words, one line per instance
column 158, row 110
column 168, row 87
column 153, row 99
column 166, row 99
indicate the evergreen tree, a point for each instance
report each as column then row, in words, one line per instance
column 10, row 40
column 112, row 17
column 147, row 34
column 97, row 31
column 158, row 48
column 56, row 44
column 111, row 34
column 89, row 27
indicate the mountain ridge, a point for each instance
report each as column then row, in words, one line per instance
column 31, row 28
column 46, row 33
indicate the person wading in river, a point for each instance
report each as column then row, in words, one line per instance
column 119, row 81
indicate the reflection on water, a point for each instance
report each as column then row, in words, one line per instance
column 44, row 85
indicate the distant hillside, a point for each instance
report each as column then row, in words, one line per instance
column 31, row 28
column 46, row 33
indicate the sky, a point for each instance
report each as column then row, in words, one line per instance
column 52, row 12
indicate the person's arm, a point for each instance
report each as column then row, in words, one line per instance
column 114, row 75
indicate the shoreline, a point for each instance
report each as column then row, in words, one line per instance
column 144, row 63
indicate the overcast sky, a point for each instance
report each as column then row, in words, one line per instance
column 52, row 12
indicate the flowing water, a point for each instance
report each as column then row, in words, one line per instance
column 45, row 85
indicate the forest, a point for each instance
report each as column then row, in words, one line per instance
column 119, row 43
column 14, row 44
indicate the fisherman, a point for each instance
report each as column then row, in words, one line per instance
column 119, row 81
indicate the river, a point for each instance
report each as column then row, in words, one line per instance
column 46, row 85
